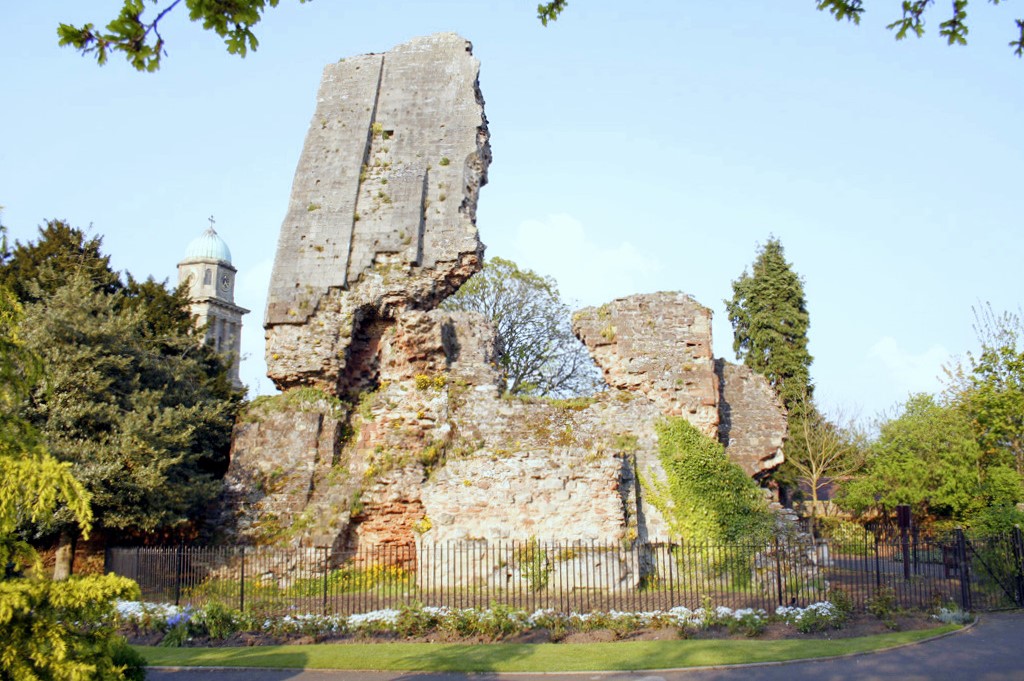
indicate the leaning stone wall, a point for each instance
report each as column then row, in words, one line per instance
column 383, row 206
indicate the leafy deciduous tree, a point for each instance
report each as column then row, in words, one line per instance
column 831, row 450
column 991, row 388
column 140, row 41
column 927, row 457
column 539, row 353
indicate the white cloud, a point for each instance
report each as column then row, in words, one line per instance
column 587, row 272
column 905, row 372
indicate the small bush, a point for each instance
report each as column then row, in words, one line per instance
column 500, row 620
column 219, row 621
column 842, row 601
column 179, row 629
column 953, row 615
column 883, row 605
column 415, row 620
column 123, row 655
column 750, row 623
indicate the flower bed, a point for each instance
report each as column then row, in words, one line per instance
column 215, row 624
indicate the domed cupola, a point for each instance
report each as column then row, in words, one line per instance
column 206, row 247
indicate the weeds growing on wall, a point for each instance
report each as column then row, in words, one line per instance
column 298, row 399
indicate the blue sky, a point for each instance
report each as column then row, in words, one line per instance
column 637, row 147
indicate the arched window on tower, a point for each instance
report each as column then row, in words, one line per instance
column 207, row 277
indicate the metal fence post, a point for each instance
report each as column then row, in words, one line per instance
column 179, row 568
column 241, row 583
column 1018, row 557
column 878, row 566
column 965, row 576
column 327, row 557
column 778, row 570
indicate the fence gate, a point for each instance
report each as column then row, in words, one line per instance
column 999, row 564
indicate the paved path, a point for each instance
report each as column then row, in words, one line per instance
column 989, row 651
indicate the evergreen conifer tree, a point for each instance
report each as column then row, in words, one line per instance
column 768, row 313
column 133, row 399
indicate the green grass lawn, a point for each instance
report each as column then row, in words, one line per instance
column 509, row 657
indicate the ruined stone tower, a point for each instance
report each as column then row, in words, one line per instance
column 407, row 434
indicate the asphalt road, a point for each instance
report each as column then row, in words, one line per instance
column 989, row 651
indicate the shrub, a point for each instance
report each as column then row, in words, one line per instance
column 882, row 604
column 415, row 620
column 534, row 564
column 179, row 629
column 500, row 620
column 62, row 630
column 219, row 621
column 749, row 622
column 953, row 615
column 842, row 601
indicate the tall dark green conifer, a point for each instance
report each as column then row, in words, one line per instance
column 769, row 319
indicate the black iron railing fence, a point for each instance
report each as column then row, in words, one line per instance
column 974, row 573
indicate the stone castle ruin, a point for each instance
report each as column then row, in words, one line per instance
column 407, row 434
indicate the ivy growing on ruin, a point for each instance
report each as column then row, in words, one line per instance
column 704, row 496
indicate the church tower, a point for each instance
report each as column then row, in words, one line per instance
column 206, row 270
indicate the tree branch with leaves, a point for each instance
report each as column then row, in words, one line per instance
column 135, row 32
column 954, row 29
column 139, row 38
